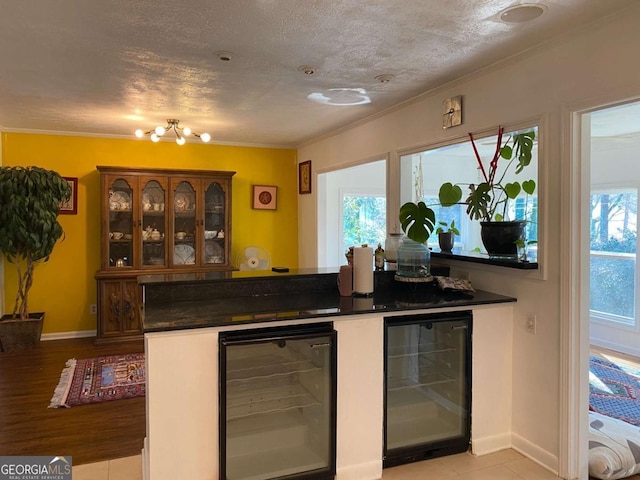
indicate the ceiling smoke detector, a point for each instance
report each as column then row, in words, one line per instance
column 522, row 13
column 224, row 56
column 307, row 69
column 385, row 78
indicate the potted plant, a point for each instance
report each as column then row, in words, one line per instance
column 29, row 229
column 446, row 235
column 418, row 222
column 488, row 200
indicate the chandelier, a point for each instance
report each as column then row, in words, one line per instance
column 172, row 125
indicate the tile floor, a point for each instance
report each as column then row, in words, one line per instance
column 504, row 465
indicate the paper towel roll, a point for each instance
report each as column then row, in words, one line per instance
column 363, row 270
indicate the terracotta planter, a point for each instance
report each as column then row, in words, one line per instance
column 499, row 238
column 17, row 335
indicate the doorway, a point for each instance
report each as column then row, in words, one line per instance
column 599, row 136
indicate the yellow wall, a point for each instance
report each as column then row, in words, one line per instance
column 64, row 287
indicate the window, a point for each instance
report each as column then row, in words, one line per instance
column 422, row 173
column 363, row 220
column 614, row 242
column 351, row 210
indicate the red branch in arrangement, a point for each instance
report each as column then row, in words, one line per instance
column 493, row 166
column 494, row 162
column 473, row 143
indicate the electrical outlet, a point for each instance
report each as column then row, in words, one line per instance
column 532, row 320
column 93, row 309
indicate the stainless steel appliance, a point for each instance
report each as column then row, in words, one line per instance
column 427, row 386
column 278, row 403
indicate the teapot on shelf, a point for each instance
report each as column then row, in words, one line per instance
column 155, row 234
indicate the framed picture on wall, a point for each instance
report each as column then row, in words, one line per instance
column 71, row 206
column 265, row 197
column 304, row 177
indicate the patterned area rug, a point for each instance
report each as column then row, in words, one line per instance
column 614, row 390
column 101, row 379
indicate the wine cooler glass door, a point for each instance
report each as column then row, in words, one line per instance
column 427, row 387
column 279, row 406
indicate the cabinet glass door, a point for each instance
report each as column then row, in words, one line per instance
column 184, row 224
column 153, row 224
column 120, row 224
column 213, row 235
column 427, row 384
column 278, row 415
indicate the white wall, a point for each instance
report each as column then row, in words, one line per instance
column 590, row 64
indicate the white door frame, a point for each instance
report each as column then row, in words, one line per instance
column 574, row 283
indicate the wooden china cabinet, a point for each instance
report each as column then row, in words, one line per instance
column 156, row 221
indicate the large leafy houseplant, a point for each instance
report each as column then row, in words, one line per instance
column 488, row 200
column 30, row 198
column 417, row 220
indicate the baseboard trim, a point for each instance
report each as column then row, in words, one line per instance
column 491, row 444
column 66, row 335
column 362, row 471
column 534, row 453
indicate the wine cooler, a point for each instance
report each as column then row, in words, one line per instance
column 278, row 403
column 427, row 386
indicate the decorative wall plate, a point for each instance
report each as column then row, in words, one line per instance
column 213, row 249
column 119, row 200
column 184, row 255
column 182, row 202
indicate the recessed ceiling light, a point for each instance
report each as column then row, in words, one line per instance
column 224, row 56
column 522, row 13
column 307, row 69
column 385, row 78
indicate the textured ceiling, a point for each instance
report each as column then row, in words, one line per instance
column 110, row 67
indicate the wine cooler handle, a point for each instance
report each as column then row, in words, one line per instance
column 321, row 345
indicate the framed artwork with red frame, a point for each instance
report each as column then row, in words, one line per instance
column 71, row 206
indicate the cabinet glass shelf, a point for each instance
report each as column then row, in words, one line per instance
column 418, row 349
column 270, row 366
column 424, row 380
column 249, row 402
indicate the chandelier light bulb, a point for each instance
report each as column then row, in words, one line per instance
column 186, row 131
column 160, row 130
column 155, row 138
column 180, row 140
column 139, row 133
column 205, row 137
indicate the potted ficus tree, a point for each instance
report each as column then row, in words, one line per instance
column 30, row 198
column 488, row 200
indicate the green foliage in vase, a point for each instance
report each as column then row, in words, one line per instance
column 418, row 221
column 444, row 228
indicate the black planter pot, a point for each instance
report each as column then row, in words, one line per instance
column 446, row 240
column 17, row 335
column 499, row 238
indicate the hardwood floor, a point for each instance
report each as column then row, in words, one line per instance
column 89, row 433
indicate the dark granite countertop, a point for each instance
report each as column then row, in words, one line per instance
column 215, row 299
